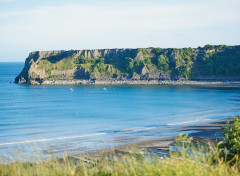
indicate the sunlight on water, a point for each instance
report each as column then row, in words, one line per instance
column 94, row 117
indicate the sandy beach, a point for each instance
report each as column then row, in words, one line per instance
column 160, row 147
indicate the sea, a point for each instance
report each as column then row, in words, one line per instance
column 80, row 118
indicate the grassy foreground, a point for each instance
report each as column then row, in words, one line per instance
column 203, row 159
column 124, row 165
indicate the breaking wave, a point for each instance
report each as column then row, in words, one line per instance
column 188, row 122
column 51, row 139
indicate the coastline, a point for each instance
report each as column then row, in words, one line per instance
column 202, row 83
column 159, row 147
column 155, row 147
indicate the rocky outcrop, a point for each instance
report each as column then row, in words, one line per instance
column 119, row 66
column 34, row 72
column 81, row 73
column 139, row 56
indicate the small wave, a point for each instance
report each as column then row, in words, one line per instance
column 71, row 89
column 51, row 139
column 187, row 122
column 139, row 129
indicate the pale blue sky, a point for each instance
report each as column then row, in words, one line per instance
column 27, row 26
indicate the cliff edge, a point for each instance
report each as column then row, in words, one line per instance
column 136, row 66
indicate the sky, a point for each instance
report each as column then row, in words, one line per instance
column 41, row 25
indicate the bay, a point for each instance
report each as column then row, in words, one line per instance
column 93, row 117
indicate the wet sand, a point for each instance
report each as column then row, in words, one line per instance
column 160, row 147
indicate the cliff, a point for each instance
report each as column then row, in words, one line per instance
column 131, row 65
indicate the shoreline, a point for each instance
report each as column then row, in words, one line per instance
column 201, row 83
column 159, row 147
column 154, row 147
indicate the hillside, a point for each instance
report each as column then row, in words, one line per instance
column 144, row 64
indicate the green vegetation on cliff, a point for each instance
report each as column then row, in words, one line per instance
column 144, row 63
column 64, row 64
column 97, row 67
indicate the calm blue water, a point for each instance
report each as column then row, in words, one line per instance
column 93, row 117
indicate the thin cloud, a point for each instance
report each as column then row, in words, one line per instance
column 6, row 1
column 126, row 18
column 78, row 26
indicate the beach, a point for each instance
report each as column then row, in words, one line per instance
column 160, row 147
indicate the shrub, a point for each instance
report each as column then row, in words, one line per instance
column 49, row 73
column 231, row 133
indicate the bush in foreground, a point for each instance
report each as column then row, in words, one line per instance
column 231, row 133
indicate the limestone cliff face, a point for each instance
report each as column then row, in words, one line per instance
column 34, row 72
column 126, row 65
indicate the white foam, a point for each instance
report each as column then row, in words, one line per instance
column 138, row 129
column 187, row 122
column 51, row 139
